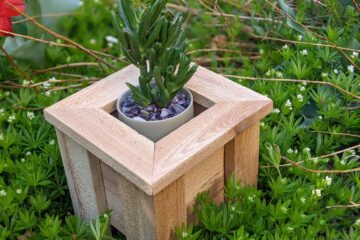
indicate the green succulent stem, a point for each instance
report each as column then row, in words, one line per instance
column 154, row 41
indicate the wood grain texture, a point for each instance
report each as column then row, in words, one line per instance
column 209, row 88
column 110, row 140
column 170, row 209
column 85, row 118
column 200, row 137
column 85, row 178
column 242, row 156
column 102, row 94
column 133, row 210
column 207, row 176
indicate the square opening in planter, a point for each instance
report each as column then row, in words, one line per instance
column 152, row 186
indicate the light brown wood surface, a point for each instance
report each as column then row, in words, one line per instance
column 152, row 187
column 85, row 118
column 242, row 156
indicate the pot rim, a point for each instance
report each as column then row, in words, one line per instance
column 163, row 120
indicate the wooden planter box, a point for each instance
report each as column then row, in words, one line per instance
column 150, row 186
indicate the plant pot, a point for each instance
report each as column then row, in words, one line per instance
column 155, row 130
column 152, row 186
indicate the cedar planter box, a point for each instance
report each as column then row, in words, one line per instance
column 152, row 186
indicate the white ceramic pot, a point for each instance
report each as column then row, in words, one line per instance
column 155, row 130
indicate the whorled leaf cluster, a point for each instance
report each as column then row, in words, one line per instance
column 154, row 41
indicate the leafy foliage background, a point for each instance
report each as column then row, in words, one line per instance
column 273, row 47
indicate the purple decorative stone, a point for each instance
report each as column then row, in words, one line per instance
column 152, row 113
column 178, row 108
column 164, row 113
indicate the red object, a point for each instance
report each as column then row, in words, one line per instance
column 6, row 12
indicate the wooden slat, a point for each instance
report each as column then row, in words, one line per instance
column 133, row 209
column 183, row 149
column 110, row 140
column 242, row 156
column 209, row 88
column 102, row 94
column 170, row 209
column 85, row 178
column 207, row 176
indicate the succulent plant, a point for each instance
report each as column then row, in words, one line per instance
column 154, row 41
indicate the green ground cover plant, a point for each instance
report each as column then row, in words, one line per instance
column 304, row 55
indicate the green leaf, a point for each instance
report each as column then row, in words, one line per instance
column 290, row 22
column 138, row 96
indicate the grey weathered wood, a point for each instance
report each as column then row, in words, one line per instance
column 85, row 181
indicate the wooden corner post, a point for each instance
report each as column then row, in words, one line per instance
column 152, row 186
column 242, row 156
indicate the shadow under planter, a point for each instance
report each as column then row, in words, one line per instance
column 152, row 186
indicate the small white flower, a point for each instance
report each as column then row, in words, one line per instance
column 328, row 180
column 336, row 71
column 320, row 117
column 48, row 93
column 7, row 93
column 284, row 209
column 92, row 41
column 105, row 215
column 290, row 229
column 354, row 55
column 304, row 83
column 296, row 151
column 110, row 44
column 299, row 37
column 26, row 83
column 285, row 46
column 1, row 136
column 11, row 118
column 342, row 162
column 52, row 142
column 18, row 191
column 307, row 149
column 288, row 103
column 324, row 74
column 357, row 222
column 233, row 208
column 22, row 160
column 303, row 199
column 300, row 97
column 81, row 3
column 46, row 85
column 276, row 110
column 350, row 68
column 352, row 152
column 184, row 234
column 28, row 153
column 2, row 110
column 315, row 160
column 30, row 115
column 251, row 198
column 261, row 51
column 302, row 88
column 112, row 39
column 262, row 124
column 3, row 193
column 279, row 74
column 304, row 52
column 268, row 73
column 316, row 192
column 290, row 150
